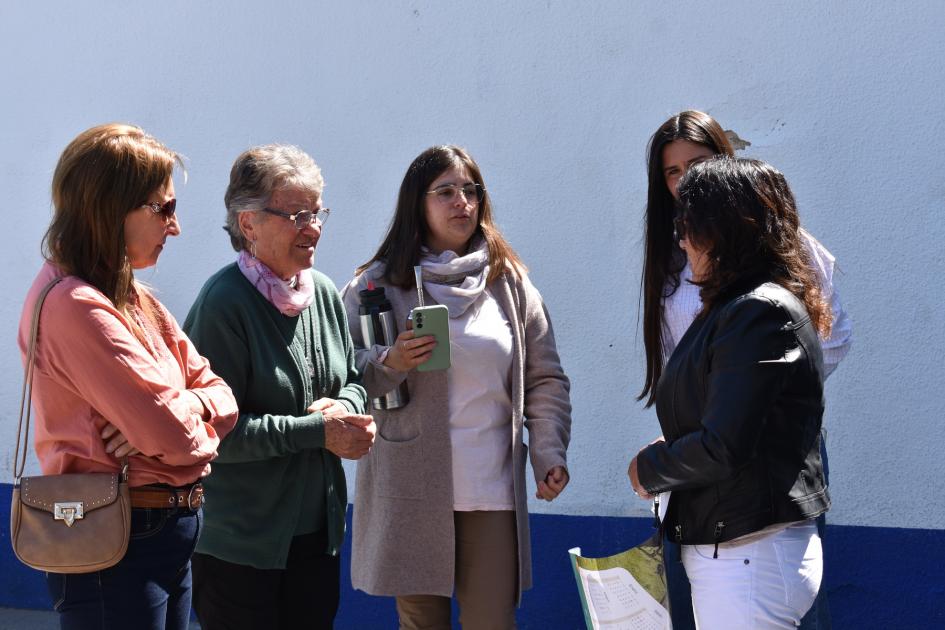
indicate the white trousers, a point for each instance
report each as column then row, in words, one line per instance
column 766, row 584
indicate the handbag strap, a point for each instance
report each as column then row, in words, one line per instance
column 23, row 429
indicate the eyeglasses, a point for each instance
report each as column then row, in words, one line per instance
column 165, row 209
column 303, row 218
column 446, row 194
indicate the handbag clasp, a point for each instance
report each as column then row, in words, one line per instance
column 68, row 511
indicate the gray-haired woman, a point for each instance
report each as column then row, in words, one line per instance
column 276, row 331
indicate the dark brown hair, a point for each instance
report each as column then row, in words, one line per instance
column 400, row 250
column 102, row 175
column 743, row 214
column 663, row 260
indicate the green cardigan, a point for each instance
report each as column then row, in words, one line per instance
column 273, row 473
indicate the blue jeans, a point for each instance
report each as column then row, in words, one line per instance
column 149, row 589
column 680, row 597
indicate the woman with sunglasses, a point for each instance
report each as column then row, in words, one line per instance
column 740, row 403
column 671, row 301
column 115, row 377
column 440, row 504
column 276, row 331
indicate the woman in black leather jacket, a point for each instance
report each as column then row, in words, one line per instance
column 740, row 404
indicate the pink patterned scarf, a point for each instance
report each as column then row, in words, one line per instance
column 291, row 297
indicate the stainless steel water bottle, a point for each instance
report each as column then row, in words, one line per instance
column 378, row 327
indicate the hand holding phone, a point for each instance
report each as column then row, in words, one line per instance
column 433, row 321
column 408, row 352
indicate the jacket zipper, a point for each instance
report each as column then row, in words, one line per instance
column 718, row 534
column 678, row 536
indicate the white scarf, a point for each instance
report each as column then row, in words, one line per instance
column 456, row 281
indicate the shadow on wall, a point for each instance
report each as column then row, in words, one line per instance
column 875, row 577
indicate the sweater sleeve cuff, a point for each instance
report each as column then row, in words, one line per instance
column 378, row 378
column 309, row 431
column 543, row 463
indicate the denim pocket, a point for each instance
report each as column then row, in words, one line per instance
column 147, row 522
column 198, row 527
column 801, row 561
column 735, row 555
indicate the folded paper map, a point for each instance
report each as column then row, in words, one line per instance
column 626, row 591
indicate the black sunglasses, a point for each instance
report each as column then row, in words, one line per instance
column 165, row 209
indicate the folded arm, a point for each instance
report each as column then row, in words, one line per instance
column 94, row 351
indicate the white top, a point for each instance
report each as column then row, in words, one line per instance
column 480, row 407
column 681, row 308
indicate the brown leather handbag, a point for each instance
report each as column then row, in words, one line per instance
column 73, row 523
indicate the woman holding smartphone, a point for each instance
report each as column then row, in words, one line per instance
column 671, row 302
column 440, row 504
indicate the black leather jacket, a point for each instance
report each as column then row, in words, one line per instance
column 740, row 403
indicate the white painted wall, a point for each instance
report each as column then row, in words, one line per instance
column 556, row 100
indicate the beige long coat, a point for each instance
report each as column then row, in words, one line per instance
column 404, row 540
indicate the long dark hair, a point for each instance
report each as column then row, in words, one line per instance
column 400, row 250
column 743, row 214
column 663, row 260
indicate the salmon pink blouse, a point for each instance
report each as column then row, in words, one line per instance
column 91, row 369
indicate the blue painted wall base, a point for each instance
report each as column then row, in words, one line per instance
column 875, row 577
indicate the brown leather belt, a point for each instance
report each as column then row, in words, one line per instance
column 189, row 497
